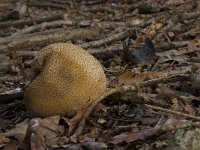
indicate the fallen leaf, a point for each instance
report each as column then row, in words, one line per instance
column 126, row 78
column 130, row 78
column 42, row 133
column 4, row 139
column 194, row 45
column 143, row 134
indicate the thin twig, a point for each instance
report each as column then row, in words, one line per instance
column 77, row 9
column 20, row 23
column 79, row 130
column 110, row 39
column 172, row 78
column 173, row 112
column 47, row 37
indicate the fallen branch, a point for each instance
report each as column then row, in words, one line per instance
column 172, row 45
column 47, row 4
column 56, row 24
column 173, row 112
column 173, row 78
column 20, row 23
column 52, row 24
column 44, row 38
column 108, row 40
column 35, row 28
column 78, row 10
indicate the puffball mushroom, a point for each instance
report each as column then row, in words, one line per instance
column 70, row 78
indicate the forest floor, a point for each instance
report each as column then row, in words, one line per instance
column 150, row 50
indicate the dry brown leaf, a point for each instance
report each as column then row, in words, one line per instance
column 126, row 78
column 194, row 45
column 43, row 132
column 4, row 139
column 130, row 78
column 172, row 55
column 143, row 134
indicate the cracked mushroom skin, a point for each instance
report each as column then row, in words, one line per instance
column 70, row 79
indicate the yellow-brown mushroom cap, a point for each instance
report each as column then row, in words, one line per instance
column 70, row 79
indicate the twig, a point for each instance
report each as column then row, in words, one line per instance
column 43, row 38
column 20, row 23
column 63, row 2
column 86, row 15
column 35, row 28
column 47, row 4
column 173, row 112
column 11, row 79
column 107, row 10
column 172, row 45
column 172, row 78
column 79, row 130
column 44, row 25
column 77, row 9
column 93, row 2
column 26, row 53
column 28, row 9
column 108, row 40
